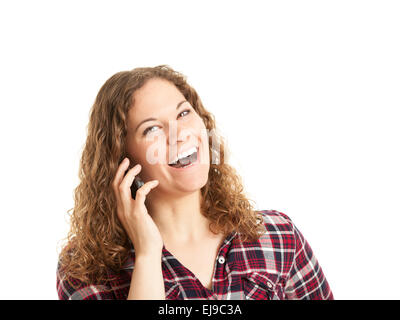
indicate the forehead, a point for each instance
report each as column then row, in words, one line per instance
column 154, row 96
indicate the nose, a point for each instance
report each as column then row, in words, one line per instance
column 178, row 133
column 178, row 137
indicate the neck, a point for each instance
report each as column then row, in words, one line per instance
column 180, row 219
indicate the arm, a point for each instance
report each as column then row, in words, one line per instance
column 306, row 279
column 147, row 279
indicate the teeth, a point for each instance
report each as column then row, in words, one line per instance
column 185, row 154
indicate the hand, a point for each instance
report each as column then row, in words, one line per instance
column 132, row 213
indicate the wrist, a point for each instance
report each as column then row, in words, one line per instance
column 148, row 257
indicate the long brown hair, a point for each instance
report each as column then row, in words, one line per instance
column 97, row 241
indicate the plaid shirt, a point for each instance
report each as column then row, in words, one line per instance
column 279, row 265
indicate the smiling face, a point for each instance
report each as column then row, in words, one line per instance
column 162, row 125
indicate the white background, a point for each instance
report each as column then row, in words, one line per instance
column 306, row 94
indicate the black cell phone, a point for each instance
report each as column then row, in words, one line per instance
column 136, row 184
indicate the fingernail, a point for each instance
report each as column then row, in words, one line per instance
column 136, row 168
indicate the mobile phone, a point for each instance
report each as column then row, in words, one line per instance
column 136, row 184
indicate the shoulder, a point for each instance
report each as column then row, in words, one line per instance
column 276, row 221
column 278, row 242
column 279, row 234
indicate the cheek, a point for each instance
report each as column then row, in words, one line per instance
column 154, row 150
column 199, row 121
column 151, row 156
column 141, row 152
column 203, row 134
column 197, row 126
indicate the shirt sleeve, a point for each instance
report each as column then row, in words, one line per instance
column 74, row 289
column 306, row 279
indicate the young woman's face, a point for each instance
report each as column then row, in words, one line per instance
column 161, row 126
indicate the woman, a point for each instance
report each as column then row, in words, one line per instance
column 189, row 232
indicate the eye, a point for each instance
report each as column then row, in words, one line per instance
column 188, row 111
column 148, row 130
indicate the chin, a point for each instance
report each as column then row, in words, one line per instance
column 191, row 183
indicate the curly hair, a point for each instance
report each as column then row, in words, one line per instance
column 96, row 241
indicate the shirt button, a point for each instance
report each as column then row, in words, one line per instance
column 269, row 285
column 221, row 260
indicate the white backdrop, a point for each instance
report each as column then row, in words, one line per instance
column 306, row 94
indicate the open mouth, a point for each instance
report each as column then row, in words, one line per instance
column 185, row 161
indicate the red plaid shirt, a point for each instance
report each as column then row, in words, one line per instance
column 279, row 265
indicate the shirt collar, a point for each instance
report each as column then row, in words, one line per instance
column 128, row 265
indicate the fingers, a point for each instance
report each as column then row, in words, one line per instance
column 120, row 174
column 126, row 183
column 122, row 183
column 143, row 191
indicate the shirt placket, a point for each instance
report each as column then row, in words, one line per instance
column 219, row 267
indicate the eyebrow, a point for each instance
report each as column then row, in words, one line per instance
column 153, row 119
